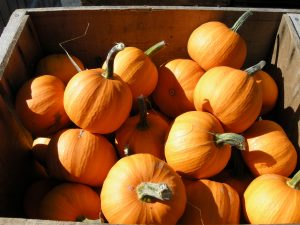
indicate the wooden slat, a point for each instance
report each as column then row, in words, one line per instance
column 20, row 221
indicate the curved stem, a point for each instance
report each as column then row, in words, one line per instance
column 236, row 26
column 295, row 181
column 253, row 69
column 149, row 192
column 143, row 122
column 108, row 73
column 155, row 48
column 232, row 139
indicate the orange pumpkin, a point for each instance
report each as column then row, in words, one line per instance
column 70, row 202
column 214, row 44
column 98, row 100
column 197, row 145
column 174, row 93
column 269, row 149
column 269, row 91
column 142, row 189
column 143, row 133
column 211, row 202
column 39, row 105
column 273, row 199
column 80, row 156
column 58, row 65
column 232, row 95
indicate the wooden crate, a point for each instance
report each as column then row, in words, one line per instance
column 30, row 34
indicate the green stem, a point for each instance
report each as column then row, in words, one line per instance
column 253, row 69
column 241, row 21
column 232, row 139
column 149, row 192
column 295, row 181
column 155, row 48
column 143, row 122
column 108, row 73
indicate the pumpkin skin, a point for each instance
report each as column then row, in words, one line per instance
column 269, row 91
column 70, row 202
column 269, row 200
column 211, row 202
column 97, row 104
column 231, row 95
column 80, row 156
column 174, row 93
column 119, row 201
column 39, row 105
column 269, row 149
column 190, row 147
column 58, row 65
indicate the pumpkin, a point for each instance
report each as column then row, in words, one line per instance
column 136, row 68
column 98, row 100
column 70, row 202
column 197, row 146
column 80, row 156
column 232, row 95
column 58, row 65
column 142, row 189
column 40, row 148
column 34, row 195
column 269, row 91
column 273, row 199
column 214, row 44
column 39, row 105
column 211, row 202
column 143, row 133
column 269, row 149
column 174, row 93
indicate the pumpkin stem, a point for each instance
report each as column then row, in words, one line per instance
column 108, row 73
column 143, row 123
column 257, row 67
column 295, row 181
column 232, row 139
column 236, row 26
column 155, row 48
column 148, row 192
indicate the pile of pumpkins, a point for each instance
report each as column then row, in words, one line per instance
column 136, row 143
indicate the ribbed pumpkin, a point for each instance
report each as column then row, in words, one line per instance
column 58, row 65
column 269, row 91
column 39, row 105
column 80, row 156
column 174, row 93
column 269, row 149
column 232, row 95
column 211, row 202
column 197, row 145
column 214, row 44
column 98, row 100
column 142, row 189
column 273, row 199
column 143, row 133
column 70, row 202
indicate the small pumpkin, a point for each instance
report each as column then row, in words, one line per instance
column 39, row 105
column 143, row 133
column 70, row 202
column 58, row 65
column 142, row 189
column 211, row 202
column 231, row 95
column 273, row 199
column 197, row 146
column 98, row 100
column 269, row 150
column 174, row 93
column 80, row 156
column 214, row 44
